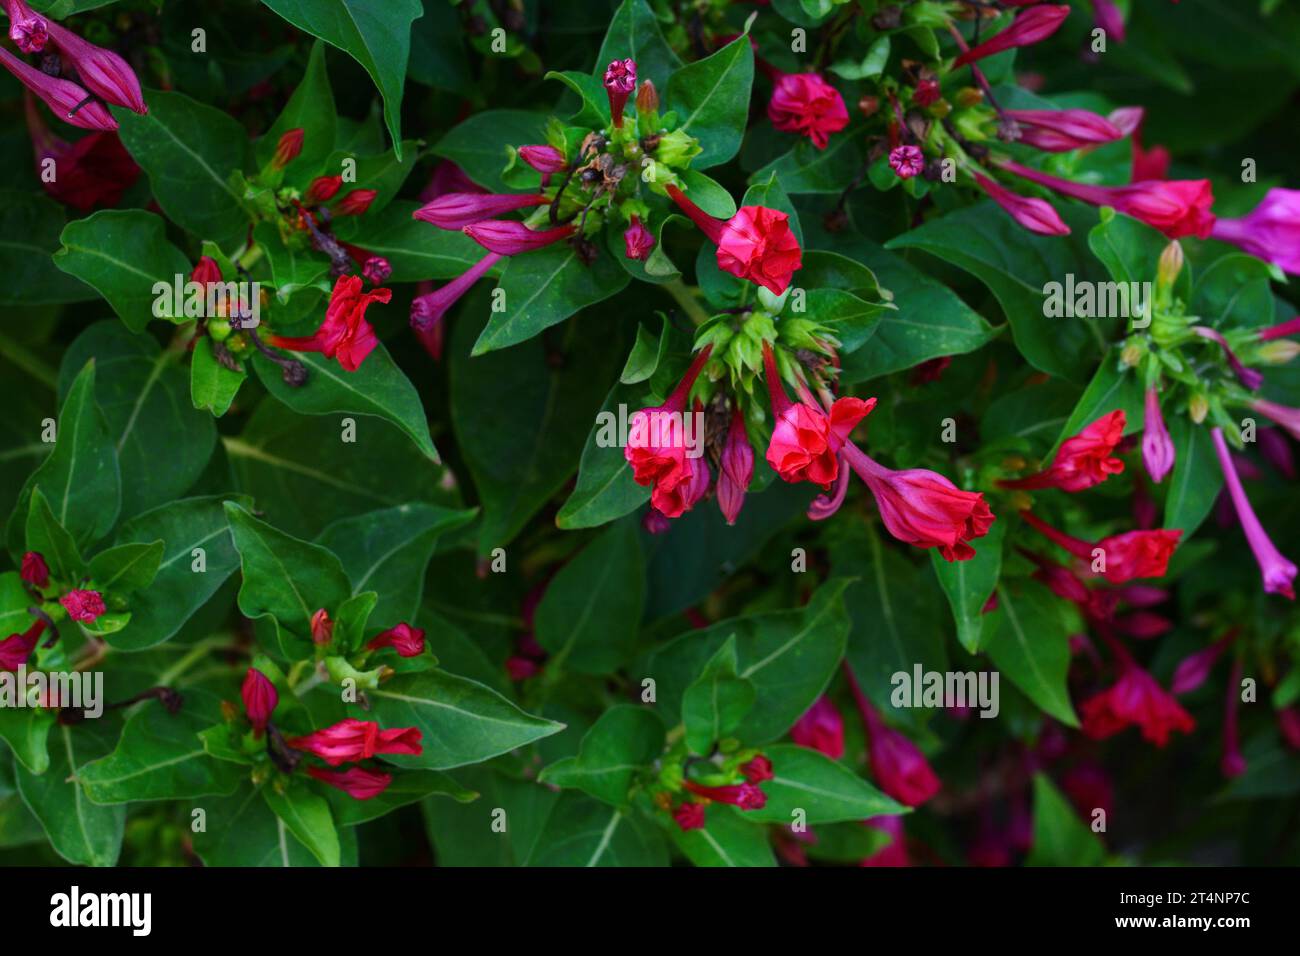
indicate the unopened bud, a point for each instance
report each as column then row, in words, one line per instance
column 869, row 105
column 1131, row 355
column 969, row 96
column 1198, row 407
column 647, row 98
column 287, row 150
column 1278, row 352
column 1171, row 264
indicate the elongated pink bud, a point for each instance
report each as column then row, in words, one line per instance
column 1030, row 27
column 458, row 210
column 509, row 238
column 1277, row 571
column 427, row 310
column 544, row 159
column 1157, row 447
column 1058, row 131
column 260, row 699
column 1192, row 671
column 737, row 468
column 102, row 71
column 1036, row 215
column 70, row 102
column 1281, row 330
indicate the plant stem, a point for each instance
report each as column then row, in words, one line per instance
column 686, row 299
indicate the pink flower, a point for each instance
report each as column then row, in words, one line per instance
column 1192, row 670
column 1276, row 569
column 70, row 102
column 620, row 81
column 83, row 606
column 1288, row 418
column 544, row 159
column 638, row 241
column 1157, row 447
column 352, row 739
column 689, row 816
column 27, row 29
column 427, row 310
column 260, row 699
column 1107, row 16
column 1281, row 330
column 34, row 570
column 1058, row 131
column 408, row 641
column 906, row 161
column 16, row 648
column 357, row 782
column 102, row 71
column 898, row 766
column 1036, row 215
column 746, row 796
column 805, row 104
column 1031, row 26
column 509, row 238
column 1178, row 208
column 755, row 244
column 1133, row 554
column 1083, row 460
column 736, row 468
column 1271, row 231
column 1134, row 700
column 657, row 448
column 457, row 210
column 345, row 334
column 757, row 769
column 376, row 270
column 821, row 728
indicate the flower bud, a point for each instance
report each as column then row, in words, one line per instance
column 638, row 240
column 356, row 202
column 323, row 188
column 868, row 106
column 377, row 269
column 287, row 150
column 260, row 699
column 27, row 29
column 1198, row 406
column 102, row 71
column 544, row 159
column 322, row 628
column 1278, row 352
column 677, row 148
column 34, row 570
column 647, row 98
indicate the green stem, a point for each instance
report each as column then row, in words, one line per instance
column 686, row 299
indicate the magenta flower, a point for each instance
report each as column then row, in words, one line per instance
column 509, row 238
column 544, row 159
column 1277, row 451
column 1271, row 231
column 103, row 72
column 689, row 816
column 457, row 210
column 1036, row 215
column 83, row 606
column 1107, row 16
column 1277, row 571
column 906, row 161
column 1157, row 448
column 34, row 570
column 1281, row 330
column 620, row 81
column 16, row 648
column 805, row 104
column 1248, row 377
column 407, row 640
column 260, row 699
column 737, row 468
column 638, row 241
column 357, row 782
column 1058, row 131
column 746, row 796
column 427, row 310
column 27, row 29
column 821, row 728
column 70, row 102
column 898, row 766
column 1288, row 418
column 1192, row 670
column 1030, row 27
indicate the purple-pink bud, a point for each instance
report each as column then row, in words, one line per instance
column 509, row 238
column 1057, row 131
column 428, row 309
column 458, row 210
column 1036, row 215
column 737, row 469
column 1031, row 26
column 1277, row 571
column 1157, row 447
column 70, row 102
column 102, row 71
column 260, row 699
column 544, row 159
column 377, row 269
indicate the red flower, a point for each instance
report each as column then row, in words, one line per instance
column 923, row 508
column 83, row 606
column 288, row 148
column 34, row 570
column 1031, row 26
column 408, row 641
column 356, row 782
column 1134, row 700
column 94, row 171
column 352, row 739
column 736, row 468
column 1083, row 460
column 758, row 769
column 755, row 244
column 821, row 728
column 657, row 448
column 1133, row 554
column 323, row 189
column 457, row 210
column 356, row 202
column 16, row 648
column 746, row 796
column 345, row 334
column 638, row 241
column 260, row 699
column 805, row 104
column 689, row 816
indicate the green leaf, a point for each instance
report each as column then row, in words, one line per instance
column 307, row 815
column 185, row 580
column 805, row 169
column 1060, row 837
column 189, row 151
column 80, row 477
column 242, row 830
column 378, row 388
column 417, row 250
column 160, row 756
column 479, row 144
column 44, row 534
column 522, row 443
column 605, row 489
column 711, row 97
column 26, row 730
column 826, row 791
column 582, row 832
column 1017, row 265
column 969, row 584
column 462, row 721
column 14, row 602
column 1028, row 638
column 311, row 109
column 543, row 289
column 127, row 567
column 212, row 386
column 80, row 831
column 1196, row 480
column 379, row 38
column 407, row 788
column 31, row 225
column 727, row 839
column 141, row 390
column 1112, row 387
column 789, row 657
column 715, row 704
column 589, row 614
column 625, row 740
column 634, row 34
column 390, row 549
column 122, row 254
column 456, row 829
